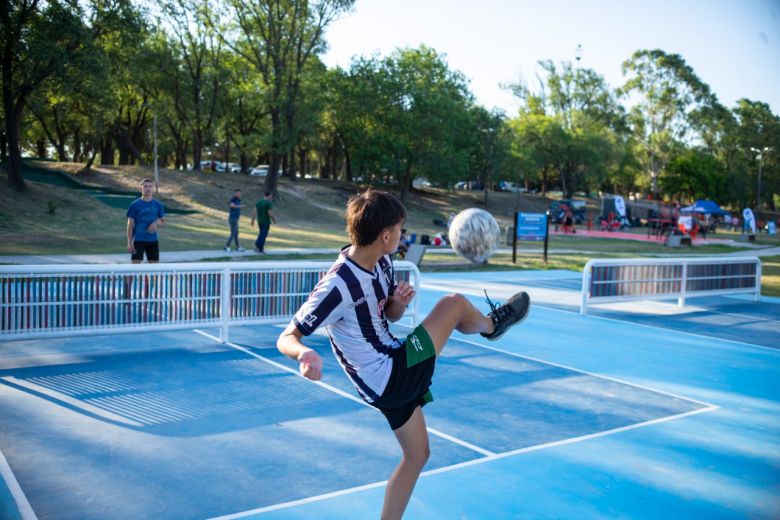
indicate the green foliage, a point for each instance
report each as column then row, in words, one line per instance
column 670, row 97
column 572, row 132
column 694, row 174
column 242, row 81
column 403, row 117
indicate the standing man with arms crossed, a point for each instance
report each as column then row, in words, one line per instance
column 354, row 302
column 235, row 214
column 144, row 216
column 264, row 217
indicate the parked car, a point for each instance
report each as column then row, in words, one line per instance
column 470, row 185
column 577, row 207
column 233, row 167
column 510, row 186
column 261, row 170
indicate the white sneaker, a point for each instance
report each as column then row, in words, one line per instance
column 240, row 249
column 227, row 249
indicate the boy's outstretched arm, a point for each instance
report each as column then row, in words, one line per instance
column 289, row 344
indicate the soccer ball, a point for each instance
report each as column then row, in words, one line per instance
column 474, row 235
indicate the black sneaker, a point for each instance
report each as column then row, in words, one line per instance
column 504, row 316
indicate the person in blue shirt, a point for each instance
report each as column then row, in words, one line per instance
column 144, row 216
column 235, row 214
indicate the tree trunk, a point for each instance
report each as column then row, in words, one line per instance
column 272, row 179
column 90, row 161
column 13, row 117
column 227, row 152
column 326, row 167
column 347, row 158
column 197, row 149
column 244, row 159
column 302, row 162
column 40, row 148
column 76, row 145
column 124, row 155
column 564, row 187
column 107, row 150
column 487, row 185
column 291, row 166
column 405, row 181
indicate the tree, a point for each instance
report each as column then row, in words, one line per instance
column 669, row 93
column 401, row 117
column 427, row 108
column 574, row 123
column 278, row 38
column 199, row 76
column 243, row 110
column 491, row 145
column 38, row 41
column 539, row 143
column 758, row 128
column 694, row 174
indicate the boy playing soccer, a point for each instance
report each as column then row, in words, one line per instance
column 354, row 300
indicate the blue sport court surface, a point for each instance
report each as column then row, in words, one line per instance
column 640, row 410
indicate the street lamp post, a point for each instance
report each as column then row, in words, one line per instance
column 760, row 156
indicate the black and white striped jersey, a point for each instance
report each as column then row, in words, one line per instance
column 349, row 302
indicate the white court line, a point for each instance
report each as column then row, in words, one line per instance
column 22, row 504
column 333, row 389
column 707, row 407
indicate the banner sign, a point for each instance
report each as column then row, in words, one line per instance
column 531, row 226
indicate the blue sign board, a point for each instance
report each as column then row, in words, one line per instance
column 531, row 226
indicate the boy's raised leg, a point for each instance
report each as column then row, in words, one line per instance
column 454, row 312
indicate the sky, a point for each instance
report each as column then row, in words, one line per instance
column 732, row 45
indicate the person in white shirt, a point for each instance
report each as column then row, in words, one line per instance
column 354, row 302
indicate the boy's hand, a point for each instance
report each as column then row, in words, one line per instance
column 310, row 365
column 404, row 293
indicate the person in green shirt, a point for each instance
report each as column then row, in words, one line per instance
column 264, row 217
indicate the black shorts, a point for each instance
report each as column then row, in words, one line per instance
column 410, row 379
column 152, row 250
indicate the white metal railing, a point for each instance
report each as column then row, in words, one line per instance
column 67, row 300
column 612, row 280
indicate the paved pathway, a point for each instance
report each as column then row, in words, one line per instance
column 195, row 256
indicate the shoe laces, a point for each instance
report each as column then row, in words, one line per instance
column 495, row 308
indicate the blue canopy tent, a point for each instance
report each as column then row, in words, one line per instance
column 706, row 207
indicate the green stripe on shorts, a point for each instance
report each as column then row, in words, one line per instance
column 419, row 346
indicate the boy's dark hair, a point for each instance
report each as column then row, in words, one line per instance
column 267, row 193
column 146, row 180
column 371, row 212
